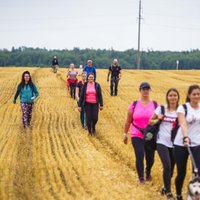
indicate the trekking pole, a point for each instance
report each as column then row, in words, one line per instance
column 193, row 161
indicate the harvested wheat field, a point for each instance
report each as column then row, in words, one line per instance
column 55, row 159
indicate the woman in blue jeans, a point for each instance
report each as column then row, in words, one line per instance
column 79, row 87
column 28, row 93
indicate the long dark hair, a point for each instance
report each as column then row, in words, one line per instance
column 30, row 83
column 190, row 90
column 172, row 90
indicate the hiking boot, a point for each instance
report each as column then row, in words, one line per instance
column 141, row 180
column 179, row 197
column 163, row 191
column 170, row 196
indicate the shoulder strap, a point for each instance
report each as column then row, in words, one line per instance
column 162, row 110
column 134, row 104
column 185, row 108
column 155, row 104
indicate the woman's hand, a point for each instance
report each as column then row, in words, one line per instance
column 125, row 139
column 186, row 141
column 101, row 107
column 160, row 117
column 79, row 109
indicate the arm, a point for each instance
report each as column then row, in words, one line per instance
column 95, row 76
column 77, row 92
column 108, row 75
column 100, row 97
column 120, row 74
column 154, row 119
column 183, row 126
column 127, row 125
column 82, row 95
column 35, row 90
column 17, row 93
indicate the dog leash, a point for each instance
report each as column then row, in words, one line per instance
column 193, row 162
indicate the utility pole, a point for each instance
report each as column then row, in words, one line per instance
column 138, row 53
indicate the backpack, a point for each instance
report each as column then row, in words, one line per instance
column 176, row 125
column 151, row 131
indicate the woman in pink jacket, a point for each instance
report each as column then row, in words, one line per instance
column 139, row 113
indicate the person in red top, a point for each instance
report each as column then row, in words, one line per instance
column 91, row 99
column 79, row 87
column 72, row 79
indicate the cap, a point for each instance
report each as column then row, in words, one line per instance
column 145, row 85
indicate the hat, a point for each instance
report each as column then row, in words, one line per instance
column 145, row 85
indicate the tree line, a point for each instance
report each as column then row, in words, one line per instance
column 102, row 58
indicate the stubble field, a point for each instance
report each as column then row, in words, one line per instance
column 55, row 159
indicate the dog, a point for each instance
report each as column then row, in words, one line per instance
column 194, row 189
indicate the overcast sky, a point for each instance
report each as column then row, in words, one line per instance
column 65, row 24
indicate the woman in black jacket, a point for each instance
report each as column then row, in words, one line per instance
column 91, row 99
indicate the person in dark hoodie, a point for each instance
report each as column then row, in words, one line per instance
column 92, row 100
column 28, row 93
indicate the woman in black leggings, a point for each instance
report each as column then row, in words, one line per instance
column 91, row 99
column 164, row 140
column 187, row 135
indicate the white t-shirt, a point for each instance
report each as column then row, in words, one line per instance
column 164, row 134
column 193, row 126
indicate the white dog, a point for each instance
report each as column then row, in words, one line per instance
column 194, row 189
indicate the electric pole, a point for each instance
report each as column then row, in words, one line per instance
column 138, row 53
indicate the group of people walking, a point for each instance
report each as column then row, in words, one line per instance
column 143, row 111
column 171, row 148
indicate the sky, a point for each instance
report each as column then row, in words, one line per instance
column 100, row 24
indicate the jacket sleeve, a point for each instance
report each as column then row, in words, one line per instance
column 100, row 97
column 17, row 92
column 94, row 71
column 82, row 96
column 35, row 90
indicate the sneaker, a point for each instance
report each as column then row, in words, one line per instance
column 170, row 196
column 163, row 191
column 141, row 180
column 179, row 197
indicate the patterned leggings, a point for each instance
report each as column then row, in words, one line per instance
column 26, row 113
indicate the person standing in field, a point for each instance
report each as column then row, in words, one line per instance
column 164, row 137
column 115, row 72
column 55, row 63
column 188, row 135
column 28, row 94
column 72, row 79
column 78, row 93
column 89, row 68
column 139, row 114
column 91, row 99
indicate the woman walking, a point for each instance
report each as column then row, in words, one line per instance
column 91, row 99
column 139, row 113
column 164, row 137
column 78, row 93
column 28, row 93
column 187, row 135
column 72, row 80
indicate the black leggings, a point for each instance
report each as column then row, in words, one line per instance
column 141, row 150
column 167, row 159
column 92, row 111
column 181, row 157
column 72, row 90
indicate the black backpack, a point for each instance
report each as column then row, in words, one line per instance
column 176, row 125
column 151, row 131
